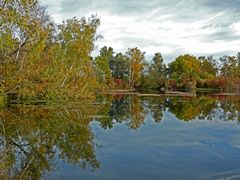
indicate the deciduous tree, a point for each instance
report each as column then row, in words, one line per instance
column 136, row 58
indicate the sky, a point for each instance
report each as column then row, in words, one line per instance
column 172, row 27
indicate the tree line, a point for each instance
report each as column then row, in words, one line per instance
column 41, row 59
column 186, row 72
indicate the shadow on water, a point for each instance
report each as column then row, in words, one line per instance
column 34, row 138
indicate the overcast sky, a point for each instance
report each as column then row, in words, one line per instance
column 172, row 27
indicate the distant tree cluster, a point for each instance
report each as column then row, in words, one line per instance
column 190, row 72
column 186, row 72
column 120, row 70
column 43, row 60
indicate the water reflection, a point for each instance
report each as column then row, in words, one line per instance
column 34, row 138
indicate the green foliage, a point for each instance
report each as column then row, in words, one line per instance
column 208, row 67
column 229, row 66
column 39, row 59
column 156, row 76
column 119, row 66
column 103, row 65
column 136, row 58
column 2, row 101
column 76, row 74
column 35, row 137
column 238, row 65
column 230, row 69
column 32, row 142
column 185, row 68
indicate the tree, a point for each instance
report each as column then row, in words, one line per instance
column 230, row 71
column 73, row 62
column 136, row 58
column 119, row 66
column 238, row 65
column 40, row 59
column 103, row 65
column 185, row 69
column 25, row 30
column 238, row 58
column 157, row 71
column 228, row 65
column 209, row 67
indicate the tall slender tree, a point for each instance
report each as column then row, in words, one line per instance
column 103, row 65
column 157, row 71
column 136, row 58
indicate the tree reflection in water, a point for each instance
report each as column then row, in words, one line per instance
column 32, row 138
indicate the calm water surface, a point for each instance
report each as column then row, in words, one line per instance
column 122, row 137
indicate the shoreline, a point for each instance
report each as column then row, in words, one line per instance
column 168, row 93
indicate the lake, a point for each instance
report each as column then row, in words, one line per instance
column 122, row 137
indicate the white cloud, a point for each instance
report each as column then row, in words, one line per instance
column 172, row 29
column 236, row 27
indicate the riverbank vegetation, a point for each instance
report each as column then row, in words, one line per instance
column 45, row 60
